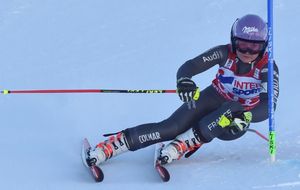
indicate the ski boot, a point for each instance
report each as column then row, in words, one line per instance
column 113, row 146
column 183, row 143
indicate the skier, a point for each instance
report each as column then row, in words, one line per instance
column 224, row 110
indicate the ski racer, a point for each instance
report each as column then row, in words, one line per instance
column 236, row 97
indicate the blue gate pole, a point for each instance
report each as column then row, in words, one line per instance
column 272, row 142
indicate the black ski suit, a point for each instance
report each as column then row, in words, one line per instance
column 209, row 107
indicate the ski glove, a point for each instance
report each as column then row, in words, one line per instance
column 239, row 122
column 187, row 90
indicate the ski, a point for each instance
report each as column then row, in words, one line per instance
column 95, row 171
column 161, row 170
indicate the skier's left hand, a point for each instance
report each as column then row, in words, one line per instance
column 240, row 122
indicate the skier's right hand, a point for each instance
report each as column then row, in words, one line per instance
column 238, row 123
column 187, row 89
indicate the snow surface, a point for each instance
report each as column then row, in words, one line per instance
column 54, row 44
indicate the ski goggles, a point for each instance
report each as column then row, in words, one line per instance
column 249, row 47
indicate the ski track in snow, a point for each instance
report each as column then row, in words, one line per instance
column 288, row 184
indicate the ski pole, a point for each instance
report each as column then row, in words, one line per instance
column 259, row 134
column 85, row 91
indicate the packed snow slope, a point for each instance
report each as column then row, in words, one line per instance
column 54, row 44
